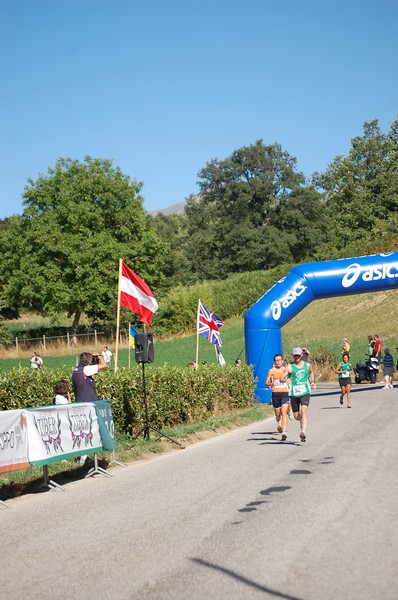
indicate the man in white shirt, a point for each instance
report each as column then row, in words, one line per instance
column 107, row 356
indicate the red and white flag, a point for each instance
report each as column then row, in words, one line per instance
column 136, row 295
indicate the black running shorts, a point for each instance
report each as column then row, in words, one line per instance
column 297, row 401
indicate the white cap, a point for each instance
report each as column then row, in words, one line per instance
column 297, row 351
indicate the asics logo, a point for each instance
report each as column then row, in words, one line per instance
column 353, row 273
column 286, row 300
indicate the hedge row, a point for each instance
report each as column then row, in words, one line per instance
column 175, row 395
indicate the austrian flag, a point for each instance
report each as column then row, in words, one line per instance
column 136, row 295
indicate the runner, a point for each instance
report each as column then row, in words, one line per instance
column 302, row 374
column 344, row 370
column 280, row 394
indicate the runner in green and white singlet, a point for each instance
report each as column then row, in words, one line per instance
column 302, row 375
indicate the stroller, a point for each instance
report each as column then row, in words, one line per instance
column 368, row 371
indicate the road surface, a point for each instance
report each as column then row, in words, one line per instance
column 240, row 516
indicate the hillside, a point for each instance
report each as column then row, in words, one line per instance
column 319, row 327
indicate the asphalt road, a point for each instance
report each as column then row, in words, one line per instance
column 240, row 516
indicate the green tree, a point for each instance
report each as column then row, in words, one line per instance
column 230, row 227
column 172, row 229
column 306, row 221
column 63, row 254
column 362, row 188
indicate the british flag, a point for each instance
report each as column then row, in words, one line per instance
column 209, row 325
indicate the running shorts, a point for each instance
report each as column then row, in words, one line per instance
column 345, row 381
column 296, row 401
column 279, row 399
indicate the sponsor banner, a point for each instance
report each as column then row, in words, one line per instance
column 352, row 275
column 62, row 431
column 13, row 441
column 106, row 424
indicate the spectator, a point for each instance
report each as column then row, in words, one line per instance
column 306, row 354
column 84, row 384
column 371, row 345
column 346, row 347
column 61, row 391
column 107, row 355
column 388, row 369
column 36, row 361
column 377, row 347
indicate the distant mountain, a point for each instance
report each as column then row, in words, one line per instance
column 174, row 209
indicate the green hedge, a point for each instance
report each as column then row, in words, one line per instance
column 175, row 395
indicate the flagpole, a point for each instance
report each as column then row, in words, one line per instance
column 129, row 345
column 197, row 335
column 118, row 316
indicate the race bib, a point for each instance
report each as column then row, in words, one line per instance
column 299, row 390
column 345, row 374
column 279, row 384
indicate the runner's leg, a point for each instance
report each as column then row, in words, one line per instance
column 348, row 391
column 284, row 411
column 304, row 418
column 278, row 419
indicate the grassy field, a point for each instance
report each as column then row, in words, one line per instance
column 319, row 327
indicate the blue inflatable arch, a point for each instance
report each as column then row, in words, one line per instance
column 304, row 283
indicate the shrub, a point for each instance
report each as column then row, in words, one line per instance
column 175, row 394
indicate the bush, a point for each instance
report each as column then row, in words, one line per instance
column 175, row 395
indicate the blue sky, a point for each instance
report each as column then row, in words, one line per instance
column 161, row 87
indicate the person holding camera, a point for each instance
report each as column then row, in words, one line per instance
column 84, row 385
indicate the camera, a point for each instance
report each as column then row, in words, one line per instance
column 95, row 359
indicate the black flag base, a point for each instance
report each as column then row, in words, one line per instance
column 147, row 427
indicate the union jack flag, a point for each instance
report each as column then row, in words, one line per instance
column 208, row 325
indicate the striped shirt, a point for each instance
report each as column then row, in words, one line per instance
column 388, row 361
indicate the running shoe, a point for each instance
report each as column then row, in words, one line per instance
column 348, row 405
column 303, row 437
column 290, row 415
column 284, row 436
column 341, row 398
column 279, row 429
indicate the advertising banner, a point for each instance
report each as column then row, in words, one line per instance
column 106, row 425
column 63, row 431
column 13, row 441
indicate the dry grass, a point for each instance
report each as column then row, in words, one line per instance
column 57, row 348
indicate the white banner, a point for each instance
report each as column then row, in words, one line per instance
column 62, row 431
column 13, row 441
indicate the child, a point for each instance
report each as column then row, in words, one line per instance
column 61, row 390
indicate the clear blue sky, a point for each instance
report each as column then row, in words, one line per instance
column 163, row 86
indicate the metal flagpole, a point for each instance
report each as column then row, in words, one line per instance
column 118, row 316
column 129, row 346
column 197, row 335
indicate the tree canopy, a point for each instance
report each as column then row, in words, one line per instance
column 62, row 255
